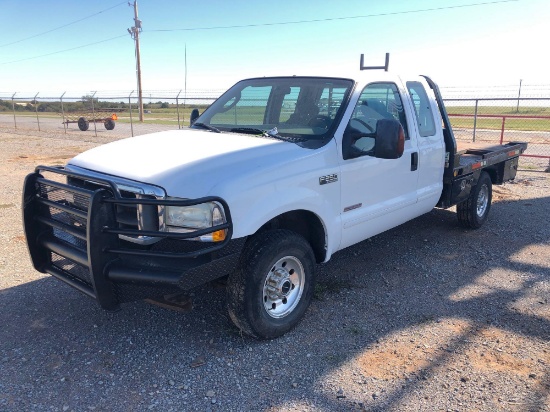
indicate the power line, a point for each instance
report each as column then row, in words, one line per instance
column 335, row 18
column 61, row 27
column 65, row 50
column 253, row 25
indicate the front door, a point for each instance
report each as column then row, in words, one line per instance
column 377, row 194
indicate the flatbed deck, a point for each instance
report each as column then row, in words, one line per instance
column 472, row 156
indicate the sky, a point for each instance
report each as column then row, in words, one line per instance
column 56, row 46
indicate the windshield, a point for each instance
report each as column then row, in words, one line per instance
column 291, row 107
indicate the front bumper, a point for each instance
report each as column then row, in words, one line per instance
column 75, row 234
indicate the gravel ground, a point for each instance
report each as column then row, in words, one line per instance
column 425, row 317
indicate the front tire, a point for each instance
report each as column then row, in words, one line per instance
column 473, row 212
column 272, row 288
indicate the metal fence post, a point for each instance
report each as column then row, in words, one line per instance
column 178, row 108
column 519, row 95
column 475, row 121
column 63, row 112
column 502, row 130
column 131, row 119
column 13, row 107
column 36, row 110
column 93, row 113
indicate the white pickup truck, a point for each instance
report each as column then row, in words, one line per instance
column 274, row 177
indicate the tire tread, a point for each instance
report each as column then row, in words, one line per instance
column 255, row 248
column 466, row 211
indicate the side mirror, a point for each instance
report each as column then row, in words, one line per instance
column 194, row 116
column 390, row 139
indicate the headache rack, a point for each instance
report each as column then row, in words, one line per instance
column 76, row 232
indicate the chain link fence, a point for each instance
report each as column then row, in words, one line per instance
column 478, row 120
column 97, row 114
column 501, row 120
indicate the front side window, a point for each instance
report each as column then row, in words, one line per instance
column 296, row 107
column 377, row 101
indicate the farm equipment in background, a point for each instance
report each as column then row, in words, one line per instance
column 83, row 118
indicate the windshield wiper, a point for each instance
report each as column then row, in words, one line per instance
column 247, row 130
column 208, row 127
column 274, row 133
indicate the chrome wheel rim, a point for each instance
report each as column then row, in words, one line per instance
column 482, row 200
column 283, row 287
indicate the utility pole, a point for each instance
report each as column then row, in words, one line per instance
column 134, row 32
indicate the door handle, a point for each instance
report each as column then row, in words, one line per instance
column 414, row 161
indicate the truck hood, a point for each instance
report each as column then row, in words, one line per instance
column 188, row 163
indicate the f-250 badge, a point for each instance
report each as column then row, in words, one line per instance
column 323, row 180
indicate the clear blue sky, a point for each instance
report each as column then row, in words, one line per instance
column 458, row 45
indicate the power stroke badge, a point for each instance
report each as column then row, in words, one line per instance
column 323, row 180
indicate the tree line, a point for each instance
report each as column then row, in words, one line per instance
column 82, row 105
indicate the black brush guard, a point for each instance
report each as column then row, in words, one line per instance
column 73, row 234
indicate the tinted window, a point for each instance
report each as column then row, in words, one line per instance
column 248, row 108
column 300, row 107
column 378, row 101
column 422, row 109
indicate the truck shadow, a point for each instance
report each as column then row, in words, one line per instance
column 467, row 291
column 392, row 315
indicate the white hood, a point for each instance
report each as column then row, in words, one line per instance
column 188, row 163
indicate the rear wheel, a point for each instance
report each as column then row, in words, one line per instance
column 83, row 124
column 109, row 124
column 473, row 212
column 272, row 288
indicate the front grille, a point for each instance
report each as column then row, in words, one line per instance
column 127, row 215
column 133, row 216
column 73, row 200
column 58, row 208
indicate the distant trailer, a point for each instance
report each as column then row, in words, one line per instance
column 83, row 118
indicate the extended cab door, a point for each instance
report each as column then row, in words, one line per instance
column 376, row 194
column 431, row 147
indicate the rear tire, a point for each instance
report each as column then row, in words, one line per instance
column 109, row 124
column 272, row 288
column 83, row 124
column 473, row 212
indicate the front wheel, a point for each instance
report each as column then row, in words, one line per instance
column 272, row 288
column 473, row 212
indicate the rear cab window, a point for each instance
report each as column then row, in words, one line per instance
column 422, row 109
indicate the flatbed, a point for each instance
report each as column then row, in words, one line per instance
column 466, row 162
column 472, row 156
column 500, row 162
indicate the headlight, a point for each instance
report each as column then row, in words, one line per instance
column 191, row 218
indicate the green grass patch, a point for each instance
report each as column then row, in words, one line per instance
column 500, row 110
column 496, row 124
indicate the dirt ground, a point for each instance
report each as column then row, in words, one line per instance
column 425, row 317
